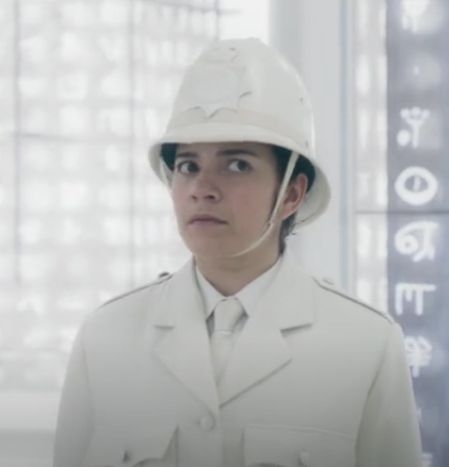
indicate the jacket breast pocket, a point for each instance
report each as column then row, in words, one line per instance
column 144, row 447
column 282, row 446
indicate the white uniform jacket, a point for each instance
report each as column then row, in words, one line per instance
column 315, row 379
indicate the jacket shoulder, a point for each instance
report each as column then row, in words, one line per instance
column 329, row 287
column 162, row 277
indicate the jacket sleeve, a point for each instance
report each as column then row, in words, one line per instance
column 389, row 432
column 74, row 422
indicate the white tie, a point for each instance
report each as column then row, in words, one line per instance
column 226, row 314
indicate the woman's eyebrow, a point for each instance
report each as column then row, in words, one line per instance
column 237, row 151
column 224, row 152
column 186, row 154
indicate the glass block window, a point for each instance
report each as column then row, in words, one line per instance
column 84, row 87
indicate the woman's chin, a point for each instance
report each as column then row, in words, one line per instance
column 212, row 250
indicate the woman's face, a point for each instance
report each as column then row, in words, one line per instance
column 223, row 194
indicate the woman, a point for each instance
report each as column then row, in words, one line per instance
column 239, row 358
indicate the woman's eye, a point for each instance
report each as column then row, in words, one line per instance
column 186, row 167
column 239, row 165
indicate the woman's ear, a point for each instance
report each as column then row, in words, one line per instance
column 294, row 195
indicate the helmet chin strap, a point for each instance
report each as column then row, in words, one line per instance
column 270, row 224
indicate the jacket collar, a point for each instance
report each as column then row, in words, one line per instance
column 287, row 303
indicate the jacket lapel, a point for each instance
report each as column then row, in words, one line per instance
column 184, row 347
column 261, row 349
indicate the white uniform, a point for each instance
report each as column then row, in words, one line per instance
column 315, row 379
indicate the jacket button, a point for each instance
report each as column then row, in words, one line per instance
column 207, row 423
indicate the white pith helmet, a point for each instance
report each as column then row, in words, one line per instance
column 243, row 90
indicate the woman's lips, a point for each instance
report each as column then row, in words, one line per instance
column 206, row 220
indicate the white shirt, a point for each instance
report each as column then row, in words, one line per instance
column 248, row 295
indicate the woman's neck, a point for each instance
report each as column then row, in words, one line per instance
column 229, row 275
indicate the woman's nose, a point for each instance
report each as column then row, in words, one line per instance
column 205, row 187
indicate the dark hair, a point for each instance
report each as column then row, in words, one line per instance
column 282, row 155
column 303, row 165
column 168, row 154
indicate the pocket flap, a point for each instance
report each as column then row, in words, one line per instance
column 119, row 447
column 297, row 447
column 150, row 444
column 270, row 446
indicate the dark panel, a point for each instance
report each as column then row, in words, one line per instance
column 418, row 206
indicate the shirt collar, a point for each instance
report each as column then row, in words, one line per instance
column 247, row 296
